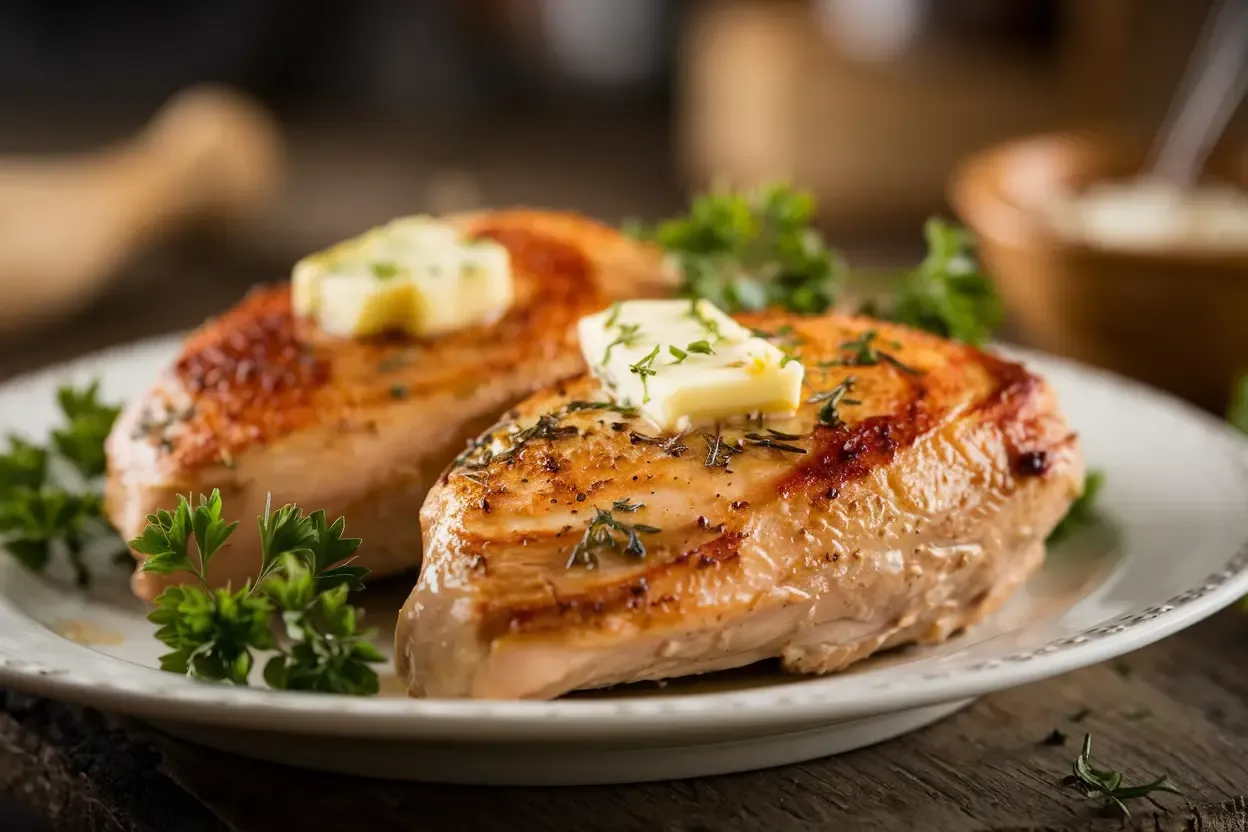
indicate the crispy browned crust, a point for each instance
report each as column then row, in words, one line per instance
column 257, row 373
column 522, row 588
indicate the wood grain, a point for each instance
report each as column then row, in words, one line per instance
column 1176, row 707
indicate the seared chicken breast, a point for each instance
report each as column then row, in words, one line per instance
column 260, row 401
column 574, row 548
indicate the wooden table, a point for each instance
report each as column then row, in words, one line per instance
column 1176, row 707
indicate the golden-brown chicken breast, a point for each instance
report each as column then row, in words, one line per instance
column 259, row 401
column 577, row 549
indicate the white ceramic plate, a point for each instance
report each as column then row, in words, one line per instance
column 1170, row 552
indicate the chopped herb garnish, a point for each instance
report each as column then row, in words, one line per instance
column 789, row 357
column 947, row 293
column 622, row 409
column 864, row 353
column 832, row 399
column 478, row 454
column 624, row 505
column 718, row 452
column 700, row 347
column 680, row 354
column 747, row 250
column 604, row 532
column 629, row 333
column 788, row 437
column 613, row 315
column 384, row 270
column 1107, row 784
column 671, row 445
column 773, row 443
column 1082, row 511
column 709, row 324
column 398, row 391
column 645, row 368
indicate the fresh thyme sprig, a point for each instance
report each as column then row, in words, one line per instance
column 605, row 532
column 1107, row 785
column 833, row 399
column 305, row 575
column 671, row 445
column 50, row 500
column 479, row 453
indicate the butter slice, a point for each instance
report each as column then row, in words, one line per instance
column 414, row 275
column 744, row 376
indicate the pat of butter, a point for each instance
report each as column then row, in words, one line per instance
column 414, row 275
column 685, row 363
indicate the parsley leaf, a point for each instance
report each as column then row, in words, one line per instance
column 746, row 250
column 328, row 654
column 81, row 441
column 1082, row 511
column 48, row 505
column 948, row 293
column 213, row 633
column 1237, row 411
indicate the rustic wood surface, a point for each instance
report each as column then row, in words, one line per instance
column 1175, row 707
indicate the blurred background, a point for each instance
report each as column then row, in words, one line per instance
column 354, row 111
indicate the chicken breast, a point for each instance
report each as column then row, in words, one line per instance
column 259, row 401
column 588, row 552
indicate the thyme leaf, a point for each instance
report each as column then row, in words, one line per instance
column 629, row 333
column 604, row 532
column 863, row 352
column 833, row 399
column 771, row 442
column 645, row 368
column 718, row 452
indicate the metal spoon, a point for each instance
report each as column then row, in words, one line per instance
column 1212, row 87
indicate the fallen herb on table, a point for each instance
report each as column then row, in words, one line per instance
column 214, row 633
column 1107, row 784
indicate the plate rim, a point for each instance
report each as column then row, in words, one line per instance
column 753, row 710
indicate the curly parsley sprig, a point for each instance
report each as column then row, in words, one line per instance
column 948, row 293
column 747, row 250
column 50, row 500
column 213, row 633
